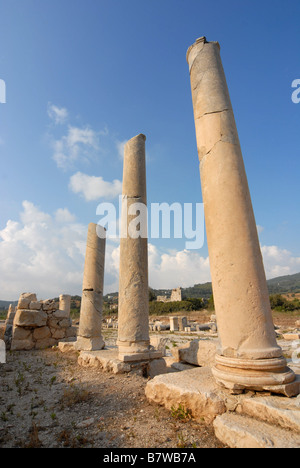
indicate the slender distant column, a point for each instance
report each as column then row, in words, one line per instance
column 249, row 356
column 65, row 303
column 133, row 321
column 90, row 327
column 10, row 315
column 8, row 328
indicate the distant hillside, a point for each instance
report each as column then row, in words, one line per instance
column 281, row 285
column 4, row 305
column 285, row 284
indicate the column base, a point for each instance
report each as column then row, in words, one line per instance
column 135, row 352
column 89, row 344
column 271, row 375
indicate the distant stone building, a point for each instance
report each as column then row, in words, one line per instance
column 162, row 299
column 176, row 296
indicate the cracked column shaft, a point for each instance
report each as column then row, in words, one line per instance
column 133, row 321
column 90, row 327
column 249, row 356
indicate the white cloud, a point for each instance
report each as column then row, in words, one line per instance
column 184, row 268
column 59, row 115
column 166, row 270
column 94, row 188
column 120, row 147
column 78, row 145
column 39, row 255
column 63, row 215
column 279, row 262
column 44, row 253
column 260, row 229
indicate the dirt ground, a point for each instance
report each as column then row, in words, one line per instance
column 47, row 400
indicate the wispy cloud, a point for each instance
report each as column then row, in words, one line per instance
column 94, row 188
column 260, row 229
column 78, row 145
column 279, row 262
column 120, row 148
column 59, row 115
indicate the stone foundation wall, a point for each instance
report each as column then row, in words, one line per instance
column 40, row 325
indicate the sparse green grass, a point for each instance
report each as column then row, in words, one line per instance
column 181, row 414
column 3, row 417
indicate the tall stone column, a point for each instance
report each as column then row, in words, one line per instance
column 249, row 356
column 90, row 326
column 133, row 322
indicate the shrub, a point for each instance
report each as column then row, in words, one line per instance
column 279, row 303
column 161, row 308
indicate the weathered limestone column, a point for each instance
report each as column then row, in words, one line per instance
column 90, row 327
column 249, row 356
column 182, row 323
column 133, row 321
column 65, row 303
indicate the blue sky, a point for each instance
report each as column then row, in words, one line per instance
column 83, row 77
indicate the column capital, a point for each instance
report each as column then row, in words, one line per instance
column 201, row 40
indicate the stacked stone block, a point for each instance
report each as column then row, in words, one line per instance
column 40, row 324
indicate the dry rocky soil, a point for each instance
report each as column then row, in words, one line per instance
column 48, row 400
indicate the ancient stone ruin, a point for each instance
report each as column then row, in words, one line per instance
column 208, row 376
column 248, row 356
column 90, row 327
column 176, row 296
column 41, row 324
column 133, row 329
